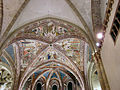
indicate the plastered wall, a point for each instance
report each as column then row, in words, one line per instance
column 111, row 55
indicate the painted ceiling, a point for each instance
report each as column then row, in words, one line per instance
column 45, row 46
column 48, row 8
column 34, row 38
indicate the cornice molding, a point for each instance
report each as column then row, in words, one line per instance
column 106, row 19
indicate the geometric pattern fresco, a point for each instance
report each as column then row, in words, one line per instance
column 74, row 49
column 29, row 49
column 58, row 47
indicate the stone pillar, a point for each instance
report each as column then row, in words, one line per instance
column 1, row 14
column 101, row 71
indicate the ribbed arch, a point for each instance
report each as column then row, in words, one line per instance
column 11, row 36
column 63, row 65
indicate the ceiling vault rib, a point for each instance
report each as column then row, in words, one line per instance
column 60, row 80
column 14, row 20
column 96, row 15
column 1, row 15
column 81, row 19
column 12, row 65
column 67, row 73
column 74, row 65
column 39, row 76
column 8, row 57
column 50, row 74
column 45, row 63
column 48, row 79
column 17, row 64
column 33, row 62
column 13, row 34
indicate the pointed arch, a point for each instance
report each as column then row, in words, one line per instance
column 13, row 34
column 80, row 80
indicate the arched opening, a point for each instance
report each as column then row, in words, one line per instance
column 39, row 86
column 70, row 86
column 95, row 81
column 54, row 87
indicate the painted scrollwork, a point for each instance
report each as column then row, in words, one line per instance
column 6, row 79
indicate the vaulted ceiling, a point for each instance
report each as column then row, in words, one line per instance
column 16, row 13
column 20, row 12
column 44, row 30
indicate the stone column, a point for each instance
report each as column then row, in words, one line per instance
column 1, row 14
column 101, row 71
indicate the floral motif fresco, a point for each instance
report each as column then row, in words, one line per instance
column 49, row 29
column 6, row 79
